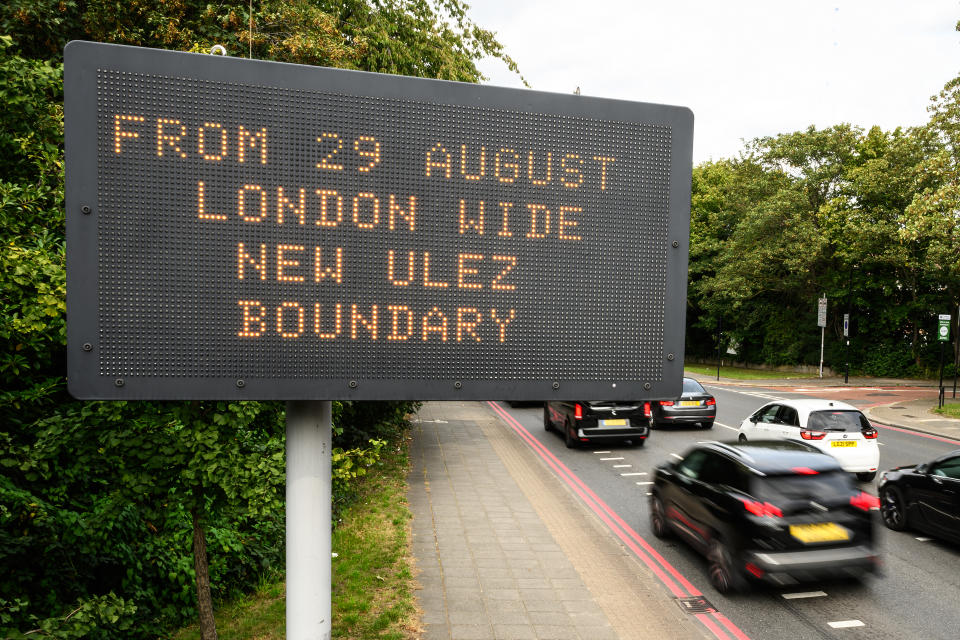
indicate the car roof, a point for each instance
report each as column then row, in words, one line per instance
column 773, row 457
column 806, row 406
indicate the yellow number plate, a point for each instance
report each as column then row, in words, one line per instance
column 689, row 403
column 820, row 532
column 843, row 443
column 615, row 423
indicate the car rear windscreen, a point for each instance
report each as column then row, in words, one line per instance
column 821, row 487
column 838, row 421
column 692, row 386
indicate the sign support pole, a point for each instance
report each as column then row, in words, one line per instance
column 309, row 486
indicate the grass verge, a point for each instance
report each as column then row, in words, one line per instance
column 373, row 582
column 949, row 410
column 738, row 373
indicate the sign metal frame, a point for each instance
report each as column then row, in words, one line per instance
column 89, row 379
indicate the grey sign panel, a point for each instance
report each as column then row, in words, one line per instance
column 248, row 229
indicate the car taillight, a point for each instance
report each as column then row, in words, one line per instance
column 578, row 411
column 806, row 434
column 865, row 501
column 869, row 434
column 804, row 471
column 711, row 402
column 762, row 508
column 666, row 403
column 646, row 410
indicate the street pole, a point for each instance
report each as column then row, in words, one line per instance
column 941, row 375
column 719, row 328
column 956, row 353
column 309, row 481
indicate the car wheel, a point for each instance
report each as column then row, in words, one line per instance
column 707, row 425
column 567, row 438
column 742, row 438
column 723, row 573
column 547, row 425
column 639, row 442
column 893, row 510
column 658, row 518
column 866, row 476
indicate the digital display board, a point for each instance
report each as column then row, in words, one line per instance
column 248, row 229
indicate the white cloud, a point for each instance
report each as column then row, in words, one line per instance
column 747, row 68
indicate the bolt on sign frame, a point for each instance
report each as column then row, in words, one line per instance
column 243, row 229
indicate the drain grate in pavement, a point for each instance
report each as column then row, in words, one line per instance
column 696, row 604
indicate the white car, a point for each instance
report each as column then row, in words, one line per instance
column 833, row 427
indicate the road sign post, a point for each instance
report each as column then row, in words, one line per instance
column 822, row 323
column 943, row 337
column 846, row 348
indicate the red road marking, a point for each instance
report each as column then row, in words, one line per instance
column 675, row 581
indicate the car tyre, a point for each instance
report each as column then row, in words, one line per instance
column 866, row 476
column 723, row 573
column 707, row 425
column 893, row 509
column 742, row 438
column 567, row 438
column 547, row 425
column 658, row 518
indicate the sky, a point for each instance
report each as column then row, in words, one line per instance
column 747, row 68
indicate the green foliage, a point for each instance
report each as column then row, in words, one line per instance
column 861, row 216
column 97, row 499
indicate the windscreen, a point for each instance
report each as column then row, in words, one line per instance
column 821, row 487
column 838, row 421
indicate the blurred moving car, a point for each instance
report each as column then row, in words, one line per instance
column 582, row 422
column 694, row 406
column 833, row 427
column 774, row 511
column 924, row 497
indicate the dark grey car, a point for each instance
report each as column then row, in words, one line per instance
column 694, row 406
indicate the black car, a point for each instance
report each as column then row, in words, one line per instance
column 582, row 422
column 774, row 511
column 694, row 406
column 924, row 496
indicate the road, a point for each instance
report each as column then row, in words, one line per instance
column 915, row 597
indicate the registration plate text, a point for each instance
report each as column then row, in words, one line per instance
column 819, row 532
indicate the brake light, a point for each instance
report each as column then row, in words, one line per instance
column 804, row 471
column 646, row 410
column 806, row 434
column 762, row 508
column 666, row 403
column 869, row 434
column 865, row 501
column 711, row 402
column 578, row 411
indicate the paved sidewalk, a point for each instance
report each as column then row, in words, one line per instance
column 488, row 566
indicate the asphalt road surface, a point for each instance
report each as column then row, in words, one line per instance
column 916, row 595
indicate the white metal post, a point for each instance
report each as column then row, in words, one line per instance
column 822, row 330
column 309, row 446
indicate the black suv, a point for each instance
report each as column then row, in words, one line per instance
column 777, row 511
column 582, row 422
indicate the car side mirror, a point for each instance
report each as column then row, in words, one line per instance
column 920, row 468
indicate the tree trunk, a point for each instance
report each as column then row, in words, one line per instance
column 208, row 626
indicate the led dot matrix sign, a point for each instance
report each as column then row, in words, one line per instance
column 249, row 229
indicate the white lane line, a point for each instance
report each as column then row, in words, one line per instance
column 621, row 466
column 598, row 452
column 846, row 624
column 676, row 456
column 607, row 459
column 643, row 483
column 635, row 473
column 725, row 426
column 803, row 594
column 923, row 539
